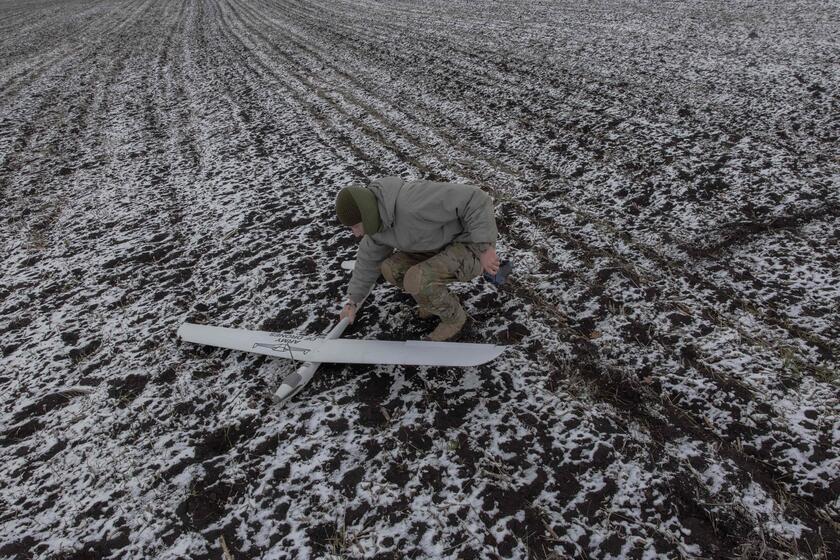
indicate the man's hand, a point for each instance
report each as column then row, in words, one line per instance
column 348, row 311
column 489, row 261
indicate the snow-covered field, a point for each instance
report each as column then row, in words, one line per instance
column 666, row 178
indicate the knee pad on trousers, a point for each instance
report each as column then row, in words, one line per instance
column 388, row 272
column 412, row 279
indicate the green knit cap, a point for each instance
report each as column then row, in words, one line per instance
column 358, row 204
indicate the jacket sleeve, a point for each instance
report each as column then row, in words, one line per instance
column 366, row 271
column 479, row 219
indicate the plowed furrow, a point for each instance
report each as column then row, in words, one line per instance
column 709, row 372
column 625, row 266
column 619, row 237
column 89, row 38
column 662, row 183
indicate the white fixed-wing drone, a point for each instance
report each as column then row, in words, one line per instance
column 313, row 351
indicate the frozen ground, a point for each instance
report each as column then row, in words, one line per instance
column 666, row 178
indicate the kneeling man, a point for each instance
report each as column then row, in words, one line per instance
column 421, row 235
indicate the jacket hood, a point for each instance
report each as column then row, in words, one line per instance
column 386, row 190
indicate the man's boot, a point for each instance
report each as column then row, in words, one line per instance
column 448, row 330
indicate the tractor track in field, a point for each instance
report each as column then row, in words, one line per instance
column 537, row 119
column 664, row 263
column 727, row 384
column 59, row 59
column 633, row 397
column 705, row 370
column 61, row 69
column 417, row 164
column 170, row 162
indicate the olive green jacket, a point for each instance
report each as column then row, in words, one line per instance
column 420, row 216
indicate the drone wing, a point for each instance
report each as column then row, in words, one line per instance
column 304, row 348
column 407, row 353
column 290, row 345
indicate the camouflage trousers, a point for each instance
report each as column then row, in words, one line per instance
column 426, row 275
